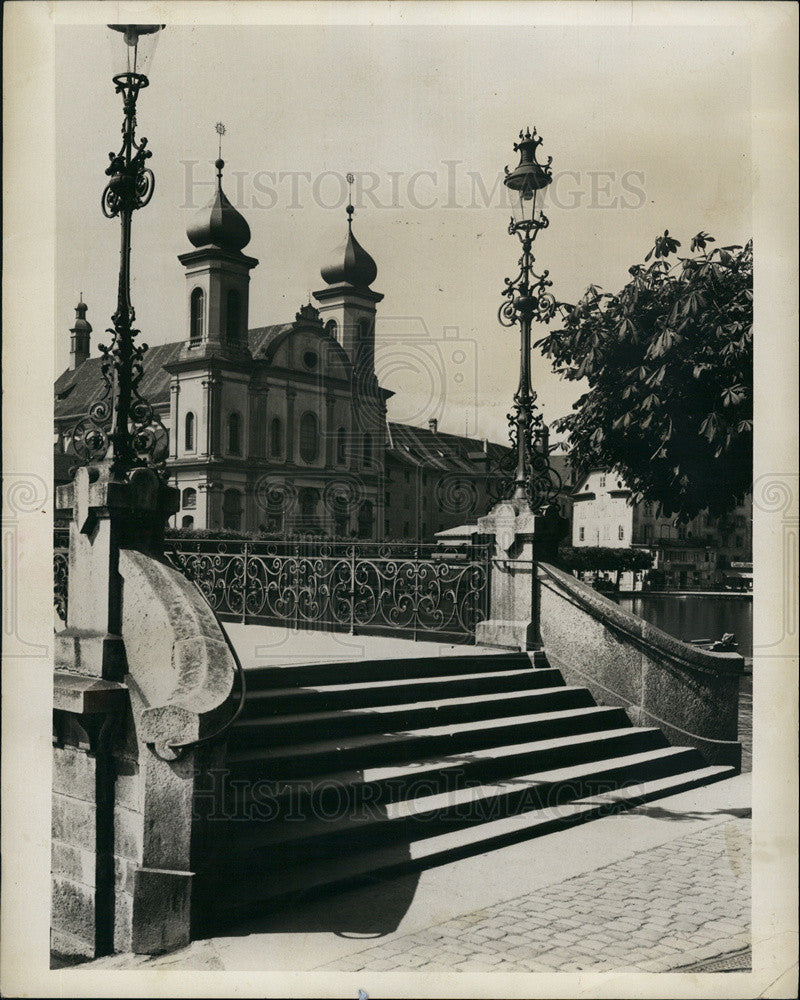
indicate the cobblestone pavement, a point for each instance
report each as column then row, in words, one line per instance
column 684, row 903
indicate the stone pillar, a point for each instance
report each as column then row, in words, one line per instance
column 214, row 416
column 258, row 421
column 96, row 826
column 214, row 505
column 204, row 423
column 174, row 417
column 250, row 511
column 522, row 537
column 330, row 432
column 291, row 443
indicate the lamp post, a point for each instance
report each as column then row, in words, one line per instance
column 535, row 482
column 121, row 426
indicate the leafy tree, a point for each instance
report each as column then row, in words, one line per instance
column 669, row 366
column 604, row 558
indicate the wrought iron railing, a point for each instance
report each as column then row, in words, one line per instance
column 367, row 588
column 60, row 571
column 419, row 591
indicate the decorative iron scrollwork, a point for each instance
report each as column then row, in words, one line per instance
column 121, row 421
column 527, row 474
column 383, row 587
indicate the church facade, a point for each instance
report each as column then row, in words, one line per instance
column 279, row 429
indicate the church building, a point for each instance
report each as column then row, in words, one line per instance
column 280, row 429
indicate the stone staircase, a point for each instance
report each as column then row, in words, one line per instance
column 341, row 773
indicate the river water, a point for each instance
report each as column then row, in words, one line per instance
column 690, row 617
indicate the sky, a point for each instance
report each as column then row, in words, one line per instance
column 648, row 128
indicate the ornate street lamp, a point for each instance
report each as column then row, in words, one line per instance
column 535, row 483
column 120, row 425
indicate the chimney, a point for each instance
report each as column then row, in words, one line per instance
column 79, row 344
column 433, row 424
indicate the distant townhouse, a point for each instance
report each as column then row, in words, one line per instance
column 704, row 553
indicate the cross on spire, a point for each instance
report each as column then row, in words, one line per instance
column 350, row 208
column 220, row 130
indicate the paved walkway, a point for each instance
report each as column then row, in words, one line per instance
column 684, row 903
column 661, row 887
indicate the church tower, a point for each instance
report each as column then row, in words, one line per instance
column 212, row 395
column 347, row 306
column 79, row 341
column 217, row 280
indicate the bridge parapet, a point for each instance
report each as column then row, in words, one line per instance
column 691, row 694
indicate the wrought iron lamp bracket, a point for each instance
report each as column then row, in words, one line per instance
column 121, row 420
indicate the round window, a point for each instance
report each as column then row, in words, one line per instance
column 310, row 359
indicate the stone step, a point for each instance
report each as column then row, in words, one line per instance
column 337, row 672
column 385, row 789
column 219, row 902
column 287, row 729
column 321, row 697
column 383, row 749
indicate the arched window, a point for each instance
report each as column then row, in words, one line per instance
column 309, row 437
column 233, row 315
column 232, row 510
column 187, row 521
column 234, row 434
column 367, row 449
column 189, row 499
column 341, row 446
column 276, row 437
column 332, row 328
column 363, row 329
column 365, row 520
column 188, row 437
column 197, row 316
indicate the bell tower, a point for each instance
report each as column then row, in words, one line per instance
column 347, row 306
column 217, row 281
column 79, row 340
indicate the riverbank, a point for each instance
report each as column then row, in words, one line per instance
column 683, row 593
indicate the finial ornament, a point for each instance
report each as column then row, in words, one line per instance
column 350, row 208
column 220, row 130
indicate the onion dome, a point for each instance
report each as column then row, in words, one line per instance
column 350, row 263
column 219, row 224
column 82, row 324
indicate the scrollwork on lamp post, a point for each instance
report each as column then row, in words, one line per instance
column 121, row 426
column 535, row 482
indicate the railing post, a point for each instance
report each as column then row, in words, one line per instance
column 352, row 589
column 416, row 589
column 244, row 583
column 296, row 585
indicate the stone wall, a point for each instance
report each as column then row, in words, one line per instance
column 689, row 693
column 143, row 671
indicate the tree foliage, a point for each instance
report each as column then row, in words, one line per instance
column 669, row 366
column 596, row 557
